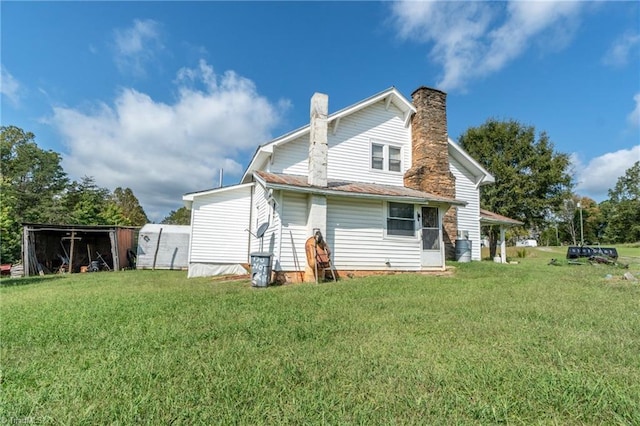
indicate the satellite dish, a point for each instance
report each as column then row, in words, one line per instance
column 262, row 229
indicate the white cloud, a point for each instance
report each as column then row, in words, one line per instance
column 135, row 46
column 465, row 41
column 634, row 116
column 622, row 49
column 162, row 151
column 9, row 86
column 602, row 173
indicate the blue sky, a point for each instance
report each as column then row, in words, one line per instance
column 158, row 96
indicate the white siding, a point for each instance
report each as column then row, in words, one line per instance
column 355, row 233
column 468, row 216
column 171, row 247
column 349, row 148
column 264, row 212
column 219, row 223
column 294, row 227
column 292, row 157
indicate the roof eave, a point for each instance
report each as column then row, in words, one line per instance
column 361, row 195
column 484, row 177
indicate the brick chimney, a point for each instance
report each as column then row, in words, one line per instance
column 318, row 146
column 429, row 170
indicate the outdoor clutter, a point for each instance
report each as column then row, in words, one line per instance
column 319, row 256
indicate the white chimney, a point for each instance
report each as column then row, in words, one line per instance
column 318, row 146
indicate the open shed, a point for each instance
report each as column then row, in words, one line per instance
column 75, row 248
column 163, row 246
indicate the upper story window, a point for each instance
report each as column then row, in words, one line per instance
column 386, row 157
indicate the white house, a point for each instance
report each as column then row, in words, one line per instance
column 381, row 179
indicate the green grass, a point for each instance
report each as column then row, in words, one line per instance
column 518, row 344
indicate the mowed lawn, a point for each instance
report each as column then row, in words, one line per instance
column 520, row 344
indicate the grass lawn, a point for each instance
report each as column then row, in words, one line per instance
column 520, row 344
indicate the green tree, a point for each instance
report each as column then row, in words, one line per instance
column 622, row 211
column 32, row 183
column 532, row 179
column 86, row 202
column 182, row 216
column 129, row 206
column 9, row 229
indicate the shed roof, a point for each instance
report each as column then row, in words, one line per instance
column 347, row 188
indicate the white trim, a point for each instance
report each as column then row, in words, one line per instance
column 470, row 164
column 190, row 196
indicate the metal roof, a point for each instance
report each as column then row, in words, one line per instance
column 347, row 188
column 491, row 218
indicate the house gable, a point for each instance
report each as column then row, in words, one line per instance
column 349, row 155
column 270, row 158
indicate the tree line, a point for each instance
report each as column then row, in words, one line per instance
column 35, row 189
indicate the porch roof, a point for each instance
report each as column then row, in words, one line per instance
column 490, row 218
column 299, row 183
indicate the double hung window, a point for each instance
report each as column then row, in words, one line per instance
column 386, row 157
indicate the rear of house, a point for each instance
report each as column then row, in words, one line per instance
column 380, row 180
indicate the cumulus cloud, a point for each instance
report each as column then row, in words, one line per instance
column 634, row 116
column 474, row 39
column 602, row 173
column 163, row 150
column 623, row 48
column 135, row 46
column 9, row 86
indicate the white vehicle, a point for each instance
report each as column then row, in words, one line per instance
column 527, row 243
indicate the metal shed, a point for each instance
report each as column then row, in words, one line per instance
column 163, row 247
column 48, row 248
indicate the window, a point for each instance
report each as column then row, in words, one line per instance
column 377, row 156
column 394, row 159
column 386, row 157
column 400, row 219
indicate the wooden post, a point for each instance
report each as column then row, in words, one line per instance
column 73, row 240
column 503, row 245
column 155, row 255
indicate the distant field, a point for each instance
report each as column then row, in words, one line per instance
column 519, row 344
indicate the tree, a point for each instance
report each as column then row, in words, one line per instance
column 532, row 180
column 9, row 229
column 182, row 216
column 566, row 218
column 622, row 211
column 32, row 182
column 85, row 201
column 129, row 206
column 569, row 219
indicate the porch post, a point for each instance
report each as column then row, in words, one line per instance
column 503, row 245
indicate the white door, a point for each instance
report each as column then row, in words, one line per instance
column 431, row 238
